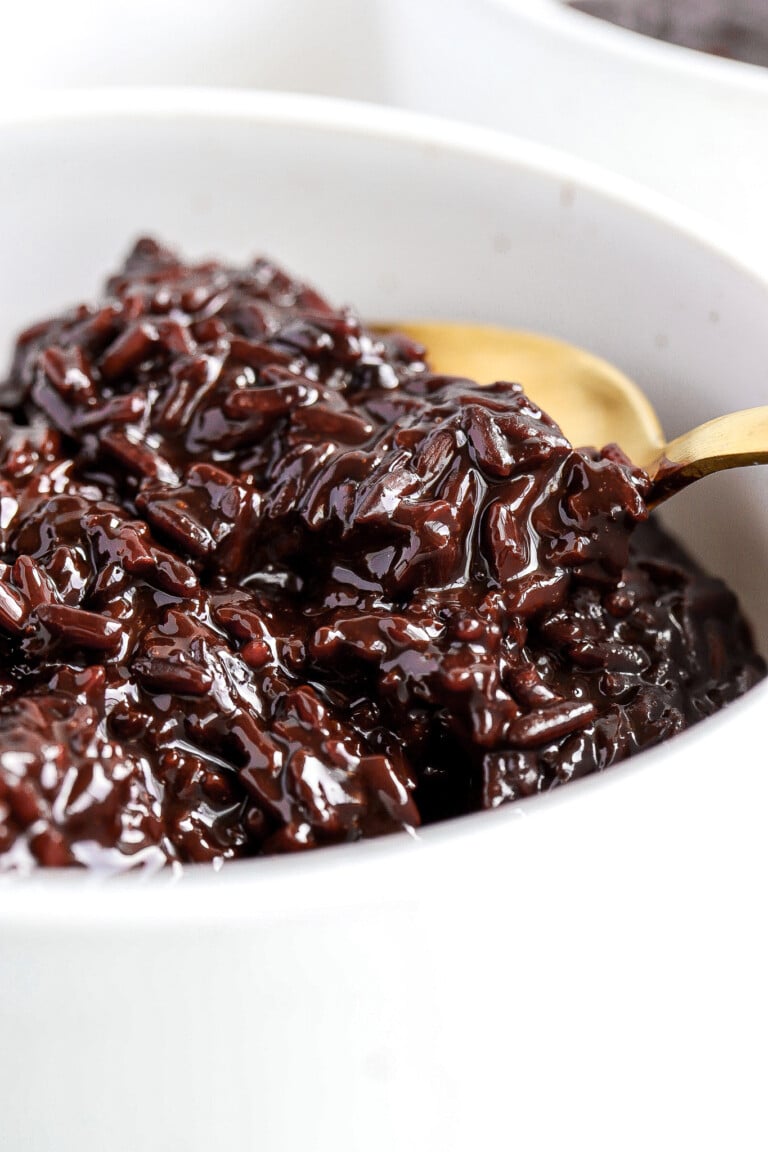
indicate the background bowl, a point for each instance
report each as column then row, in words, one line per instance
column 588, row 966
column 687, row 124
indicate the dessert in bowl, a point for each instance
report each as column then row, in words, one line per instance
column 409, row 217
column 272, row 582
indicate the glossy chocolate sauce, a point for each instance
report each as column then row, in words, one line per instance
column 735, row 29
column 267, row 583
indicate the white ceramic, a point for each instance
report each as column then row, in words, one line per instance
column 586, row 970
column 333, row 47
column 685, row 124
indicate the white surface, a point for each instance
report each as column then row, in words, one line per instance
column 685, row 124
column 583, row 971
column 332, row 47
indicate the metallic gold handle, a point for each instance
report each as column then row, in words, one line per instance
column 732, row 441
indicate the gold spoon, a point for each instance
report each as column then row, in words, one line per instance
column 592, row 401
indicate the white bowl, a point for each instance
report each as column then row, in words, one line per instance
column 687, row 124
column 582, row 970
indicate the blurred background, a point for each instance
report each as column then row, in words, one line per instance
column 689, row 124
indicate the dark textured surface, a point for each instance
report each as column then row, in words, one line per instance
column 736, row 29
column 267, row 583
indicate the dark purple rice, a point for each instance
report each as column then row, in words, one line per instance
column 267, row 583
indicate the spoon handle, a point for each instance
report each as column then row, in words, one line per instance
column 732, row 441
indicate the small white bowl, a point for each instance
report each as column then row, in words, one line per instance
column 585, row 969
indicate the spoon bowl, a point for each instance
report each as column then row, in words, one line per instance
column 593, row 401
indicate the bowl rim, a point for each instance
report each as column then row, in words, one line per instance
column 557, row 18
column 341, row 115
column 385, row 869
